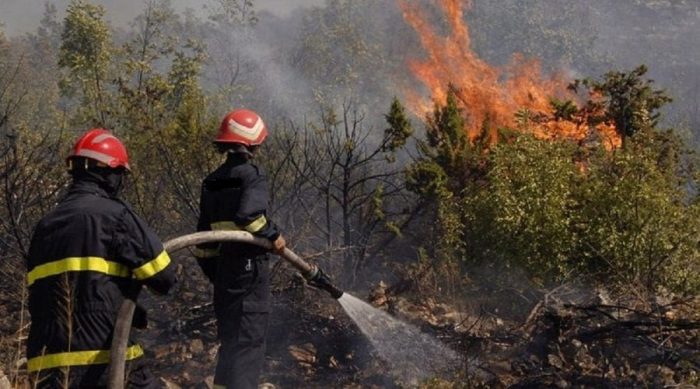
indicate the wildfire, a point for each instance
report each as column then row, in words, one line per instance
column 516, row 96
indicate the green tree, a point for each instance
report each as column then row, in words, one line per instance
column 618, row 218
column 522, row 214
column 86, row 53
column 637, row 218
column 400, row 128
column 162, row 113
column 561, row 209
column 449, row 164
column 339, row 52
column 628, row 100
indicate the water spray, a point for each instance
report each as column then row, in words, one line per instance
column 312, row 273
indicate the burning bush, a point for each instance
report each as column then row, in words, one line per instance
column 521, row 169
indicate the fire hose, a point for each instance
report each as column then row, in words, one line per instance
column 313, row 275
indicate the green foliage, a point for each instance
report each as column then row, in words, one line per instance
column 616, row 218
column 449, row 155
column 148, row 92
column 446, row 134
column 564, row 110
column 338, row 50
column 637, row 221
column 228, row 12
column 560, row 209
column 448, row 159
column 162, row 113
column 86, row 53
column 399, row 129
column 522, row 214
column 629, row 101
column 428, row 179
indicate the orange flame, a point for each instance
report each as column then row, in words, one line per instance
column 491, row 96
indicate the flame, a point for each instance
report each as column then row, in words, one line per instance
column 491, row 96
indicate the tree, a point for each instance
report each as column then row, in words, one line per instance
column 629, row 101
column 31, row 171
column 562, row 209
column 558, row 33
column 521, row 214
column 637, row 219
column 86, row 54
column 357, row 179
column 449, row 164
column 339, row 51
column 231, row 61
column 162, row 112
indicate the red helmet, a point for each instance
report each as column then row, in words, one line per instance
column 242, row 126
column 100, row 145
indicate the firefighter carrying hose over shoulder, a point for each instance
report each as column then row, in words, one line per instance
column 86, row 255
column 235, row 197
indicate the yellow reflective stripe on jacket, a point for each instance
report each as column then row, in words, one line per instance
column 257, row 224
column 254, row 226
column 152, row 267
column 225, row 226
column 206, row 253
column 95, row 264
column 78, row 358
column 219, row 386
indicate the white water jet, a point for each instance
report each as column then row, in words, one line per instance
column 413, row 356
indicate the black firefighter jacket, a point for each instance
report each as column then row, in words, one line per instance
column 234, row 197
column 85, row 256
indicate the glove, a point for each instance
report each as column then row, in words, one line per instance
column 278, row 245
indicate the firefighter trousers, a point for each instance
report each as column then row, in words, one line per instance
column 242, row 328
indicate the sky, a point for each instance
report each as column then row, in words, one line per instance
column 20, row 16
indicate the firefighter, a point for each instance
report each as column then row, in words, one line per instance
column 85, row 256
column 235, row 197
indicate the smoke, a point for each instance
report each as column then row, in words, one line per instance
column 283, row 89
column 664, row 37
column 22, row 16
column 621, row 34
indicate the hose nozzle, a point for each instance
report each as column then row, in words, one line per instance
column 318, row 279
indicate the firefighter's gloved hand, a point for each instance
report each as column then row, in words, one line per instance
column 278, row 245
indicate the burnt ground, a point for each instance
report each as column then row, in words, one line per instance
column 561, row 338
column 311, row 342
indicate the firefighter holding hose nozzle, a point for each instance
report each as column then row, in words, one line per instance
column 235, row 197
